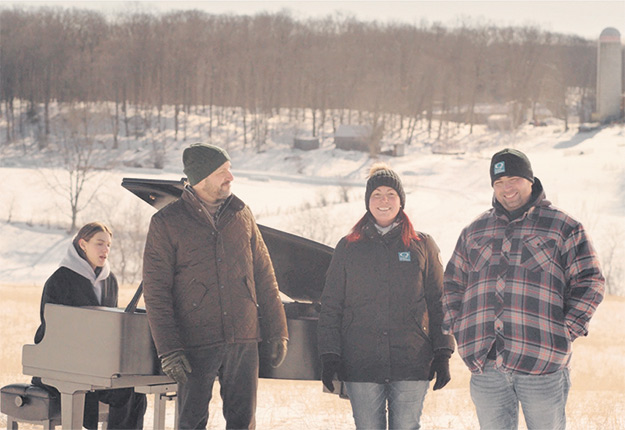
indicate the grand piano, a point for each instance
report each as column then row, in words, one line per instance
column 95, row 348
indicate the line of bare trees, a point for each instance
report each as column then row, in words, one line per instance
column 194, row 60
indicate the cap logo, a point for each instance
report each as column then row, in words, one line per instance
column 499, row 168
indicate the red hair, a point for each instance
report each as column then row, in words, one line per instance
column 407, row 230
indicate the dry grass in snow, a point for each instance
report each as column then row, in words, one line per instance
column 596, row 400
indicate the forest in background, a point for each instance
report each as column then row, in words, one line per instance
column 337, row 69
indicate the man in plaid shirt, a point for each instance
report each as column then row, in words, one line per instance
column 521, row 286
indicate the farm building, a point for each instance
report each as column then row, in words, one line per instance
column 350, row 137
column 306, row 143
column 609, row 76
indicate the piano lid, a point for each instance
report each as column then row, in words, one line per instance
column 300, row 264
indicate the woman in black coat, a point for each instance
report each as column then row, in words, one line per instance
column 84, row 278
column 381, row 312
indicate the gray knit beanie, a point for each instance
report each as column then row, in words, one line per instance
column 382, row 175
column 202, row 159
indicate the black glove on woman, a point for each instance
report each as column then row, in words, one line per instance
column 330, row 364
column 440, row 367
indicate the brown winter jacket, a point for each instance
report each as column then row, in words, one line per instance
column 381, row 308
column 207, row 285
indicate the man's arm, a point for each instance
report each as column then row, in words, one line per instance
column 158, row 279
column 454, row 285
column 267, row 292
column 332, row 304
column 433, row 285
column 586, row 284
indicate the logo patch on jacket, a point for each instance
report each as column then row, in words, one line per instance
column 404, row 256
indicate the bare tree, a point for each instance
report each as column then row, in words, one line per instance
column 129, row 227
column 479, row 39
column 11, row 65
column 523, row 55
column 77, row 151
column 268, row 62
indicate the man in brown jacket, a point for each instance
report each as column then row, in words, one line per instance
column 207, row 279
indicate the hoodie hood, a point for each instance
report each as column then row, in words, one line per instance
column 76, row 263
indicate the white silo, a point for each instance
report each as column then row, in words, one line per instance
column 609, row 75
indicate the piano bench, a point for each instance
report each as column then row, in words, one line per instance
column 36, row 405
column 29, row 403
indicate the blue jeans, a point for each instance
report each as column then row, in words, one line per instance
column 496, row 396
column 404, row 398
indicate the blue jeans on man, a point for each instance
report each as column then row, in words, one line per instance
column 404, row 400
column 496, row 396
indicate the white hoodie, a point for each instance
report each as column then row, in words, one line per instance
column 76, row 263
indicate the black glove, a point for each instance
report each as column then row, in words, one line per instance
column 440, row 366
column 330, row 365
column 278, row 348
column 176, row 366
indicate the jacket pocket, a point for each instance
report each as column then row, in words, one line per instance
column 422, row 318
column 190, row 300
column 423, row 327
column 480, row 253
column 561, row 338
column 537, row 254
column 251, row 290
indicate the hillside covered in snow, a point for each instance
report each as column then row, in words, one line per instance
column 317, row 193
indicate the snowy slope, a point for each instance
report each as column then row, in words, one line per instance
column 319, row 194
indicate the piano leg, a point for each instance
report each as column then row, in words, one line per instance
column 72, row 409
column 162, row 393
column 159, row 410
column 72, row 401
column 12, row 424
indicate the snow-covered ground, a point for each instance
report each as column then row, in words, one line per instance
column 319, row 194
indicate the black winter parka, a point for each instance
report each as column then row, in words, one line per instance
column 381, row 308
column 66, row 287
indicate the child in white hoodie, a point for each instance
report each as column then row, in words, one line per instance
column 84, row 278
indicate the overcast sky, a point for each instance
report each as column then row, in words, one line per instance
column 582, row 18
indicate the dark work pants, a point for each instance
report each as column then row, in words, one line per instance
column 126, row 408
column 236, row 365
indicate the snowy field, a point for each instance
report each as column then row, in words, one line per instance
column 596, row 400
column 319, row 194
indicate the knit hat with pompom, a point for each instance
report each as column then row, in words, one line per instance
column 382, row 175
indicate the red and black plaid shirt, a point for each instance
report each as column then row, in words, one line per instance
column 526, row 288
